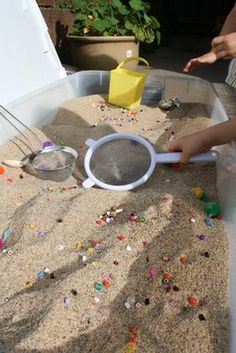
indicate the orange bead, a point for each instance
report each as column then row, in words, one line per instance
column 184, row 259
column 106, row 283
column 133, row 339
column 134, row 330
column 193, row 301
column 168, row 276
column 2, row 170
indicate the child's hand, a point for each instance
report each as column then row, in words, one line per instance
column 203, row 60
column 225, row 46
column 189, row 145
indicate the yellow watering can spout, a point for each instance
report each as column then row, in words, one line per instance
column 126, row 86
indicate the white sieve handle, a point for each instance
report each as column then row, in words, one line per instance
column 88, row 183
column 90, row 142
column 175, row 157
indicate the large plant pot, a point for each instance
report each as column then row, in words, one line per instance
column 102, row 53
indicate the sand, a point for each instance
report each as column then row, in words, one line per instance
column 56, row 228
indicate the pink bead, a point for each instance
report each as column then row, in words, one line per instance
column 152, row 272
column 1, row 244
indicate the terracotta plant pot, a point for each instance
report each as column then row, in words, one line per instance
column 102, row 53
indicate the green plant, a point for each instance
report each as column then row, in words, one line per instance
column 115, row 18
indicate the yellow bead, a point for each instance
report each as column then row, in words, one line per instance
column 32, row 226
column 79, row 246
column 130, row 348
column 198, row 192
column 94, row 264
column 91, row 251
column 29, row 284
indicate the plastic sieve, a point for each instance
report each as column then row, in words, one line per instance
column 124, row 161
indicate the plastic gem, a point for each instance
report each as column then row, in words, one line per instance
column 127, row 305
column 84, row 258
column 46, row 270
column 41, row 234
column 91, row 250
column 201, row 237
column 200, row 194
column 193, row 301
column 166, row 258
column 106, row 283
column 41, row 274
column 193, row 220
column 152, row 272
column 212, row 209
column 2, row 170
column 48, row 143
column 98, row 286
column 128, row 248
column 29, row 285
column 79, row 246
column 167, row 276
column 121, row 237
column 209, row 222
column 142, row 219
column 1, row 244
column 7, row 233
column 32, row 226
column 184, row 259
column 67, row 301
column 130, row 348
column 131, row 300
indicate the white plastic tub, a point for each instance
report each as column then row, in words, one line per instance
column 40, row 107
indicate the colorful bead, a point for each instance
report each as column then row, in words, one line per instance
column 152, row 272
column 98, row 286
column 212, row 209
column 2, row 170
column 29, row 285
column 193, row 301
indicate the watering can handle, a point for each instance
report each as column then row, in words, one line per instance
column 134, row 58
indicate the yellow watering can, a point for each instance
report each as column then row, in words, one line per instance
column 126, row 86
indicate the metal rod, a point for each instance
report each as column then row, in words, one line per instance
column 20, row 122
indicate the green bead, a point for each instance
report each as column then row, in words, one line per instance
column 142, row 219
column 205, row 197
column 99, row 286
column 212, row 209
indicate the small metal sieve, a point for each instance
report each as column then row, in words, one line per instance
column 51, row 163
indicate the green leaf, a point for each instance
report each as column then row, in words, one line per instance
column 136, row 5
column 155, row 23
column 102, row 25
column 158, row 37
column 147, row 18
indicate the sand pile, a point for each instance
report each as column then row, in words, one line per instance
column 101, row 271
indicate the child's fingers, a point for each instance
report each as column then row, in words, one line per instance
column 217, row 41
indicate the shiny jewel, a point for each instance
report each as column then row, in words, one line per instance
column 41, row 234
column 174, row 303
column 48, row 143
column 192, row 220
column 46, row 270
column 166, row 258
column 97, row 300
column 32, row 226
column 121, row 237
column 6, row 234
column 201, row 237
column 2, row 170
column 212, row 209
column 60, row 247
column 130, row 348
column 106, row 283
column 41, row 274
column 10, row 179
column 119, row 210
column 91, row 251
column 152, row 272
column 168, row 276
column 79, row 246
column 98, row 286
column 128, row 248
column 127, row 305
column 67, row 300
column 142, row 219
column 131, row 300
column 29, row 285
column 209, row 222
column 133, row 339
column 184, row 259
column 94, row 264
column 200, row 194
column 1, row 244
column 193, row 301
column 84, row 258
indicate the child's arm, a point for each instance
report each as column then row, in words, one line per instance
column 202, row 141
column 223, row 46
